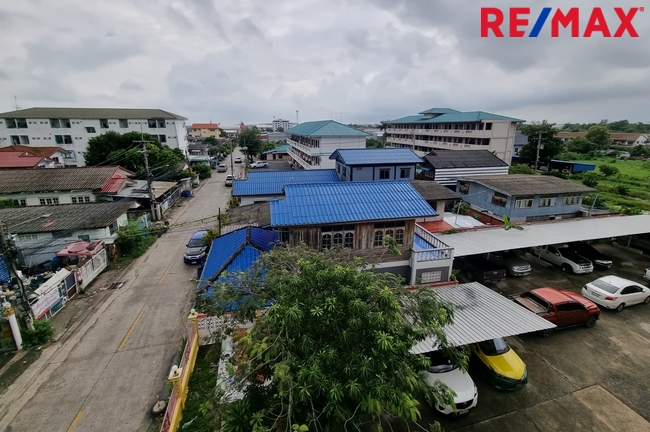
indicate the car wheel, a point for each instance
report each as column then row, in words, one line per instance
column 567, row 268
column 469, row 275
column 546, row 333
column 620, row 307
column 647, row 300
column 591, row 321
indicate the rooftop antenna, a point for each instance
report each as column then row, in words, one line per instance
column 16, row 103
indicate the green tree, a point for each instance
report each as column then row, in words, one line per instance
column 280, row 129
column 250, row 138
column 334, row 347
column 210, row 141
column 599, row 135
column 608, row 170
column 580, row 145
column 203, row 170
column 374, row 143
column 638, row 151
column 520, row 169
column 590, row 180
column 552, row 145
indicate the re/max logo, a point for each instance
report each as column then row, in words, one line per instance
column 492, row 18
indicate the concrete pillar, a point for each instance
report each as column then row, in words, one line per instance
column 10, row 315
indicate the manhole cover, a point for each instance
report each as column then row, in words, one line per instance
column 116, row 285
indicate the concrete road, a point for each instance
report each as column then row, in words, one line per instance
column 106, row 374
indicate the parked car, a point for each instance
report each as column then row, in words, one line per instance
column 598, row 258
column 478, row 268
column 229, row 180
column 443, row 370
column 516, row 265
column 259, row 164
column 213, row 163
column 561, row 307
column 565, row 257
column 196, row 249
column 222, row 168
column 238, row 159
column 613, row 292
column 646, row 274
column 501, row 365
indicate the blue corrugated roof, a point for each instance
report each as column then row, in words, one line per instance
column 375, row 156
column 4, row 271
column 307, row 204
column 325, row 128
column 454, row 117
column 272, row 182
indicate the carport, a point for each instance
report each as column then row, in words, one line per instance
column 482, row 314
column 545, row 233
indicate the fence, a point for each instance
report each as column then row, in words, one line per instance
column 92, row 268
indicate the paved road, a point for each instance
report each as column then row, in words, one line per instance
column 107, row 373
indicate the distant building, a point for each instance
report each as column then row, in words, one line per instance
column 618, row 138
column 204, row 130
column 71, row 128
column 280, row 123
column 445, row 128
column 445, row 166
column 520, row 141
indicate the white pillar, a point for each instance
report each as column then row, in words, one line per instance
column 13, row 324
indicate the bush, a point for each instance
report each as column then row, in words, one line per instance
column 41, row 334
column 589, row 200
column 520, row 169
column 622, row 190
column 203, row 170
column 132, row 241
column 631, row 211
column 608, row 170
column 590, row 180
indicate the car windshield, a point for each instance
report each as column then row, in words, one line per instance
column 604, row 286
column 494, row 347
column 196, row 243
column 440, row 363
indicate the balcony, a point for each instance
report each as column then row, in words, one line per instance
column 296, row 156
column 303, row 148
column 426, row 247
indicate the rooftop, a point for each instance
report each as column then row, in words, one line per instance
column 273, row 182
column 325, row 128
column 447, row 115
column 327, row 203
column 213, row 126
column 57, row 179
column 279, row 149
column 432, row 191
column 376, row 156
column 36, row 151
column 252, row 214
column 441, row 159
column 91, row 113
column 526, row 185
column 19, row 159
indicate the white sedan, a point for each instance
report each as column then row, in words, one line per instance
column 614, row 292
column 457, row 380
column 238, row 160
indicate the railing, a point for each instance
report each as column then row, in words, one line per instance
column 430, row 238
column 433, row 255
column 302, row 147
column 299, row 159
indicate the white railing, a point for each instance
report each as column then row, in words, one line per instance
column 440, row 250
column 298, row 158
column 301, row 147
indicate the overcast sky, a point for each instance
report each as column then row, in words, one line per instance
column 358, row 61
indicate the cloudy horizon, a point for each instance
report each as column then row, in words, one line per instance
column 359, row 62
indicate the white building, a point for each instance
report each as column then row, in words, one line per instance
column 312, row 143
column 71, row 128
column 445, row 128
column 284, row 124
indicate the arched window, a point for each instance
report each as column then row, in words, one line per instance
column 338, row 239
column 349, row 240
column 379, row 238
column 399, row 236
column 326, row 242
column 389, row 232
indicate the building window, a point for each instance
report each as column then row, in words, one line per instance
column 405, row 173
column 63, row 139
column 499, row 199
column 90, row 129
column 103, row 123
column 349, row 240
column 161, row 123
column 16, row 123
column 20, row 202
column 488, row 126
column 434, row 276
column 571, row 199
column 162, row 138
column 337, row 239
column 399, row 236
column 24, row 237
column 152, row 123
column 326, row 241
column 523, row 203
column 548, row 202
column 464, row 188
column 15, row 139
column 338, row 168
column 124, row 123
column 49, row 201
column 379, row 238
column 80, row 199
column 384, row 174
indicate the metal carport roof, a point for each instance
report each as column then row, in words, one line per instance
column 482, row 314
column 539, row 234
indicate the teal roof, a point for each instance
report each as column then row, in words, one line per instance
column 279, row 149
column 453, row 117
column 325, row 128
column 439, row 111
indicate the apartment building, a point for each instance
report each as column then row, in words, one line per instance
column 71, row 128
column 284, row 124
column 446, row 128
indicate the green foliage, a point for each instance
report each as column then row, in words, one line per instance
column 250, row 138
column 210, row 141
column 203, row 170
column 599, row 136
column 590, row 179
column 133, row 241
column 639, row 151
column 184, row 174
column 334, row 346
column 622, row 190
column 617, row 126
column 631, row 211
column 608, row 170
column 42, row 333
column 520, row 169
column 375, row 143
column 233, row 202
column 507, row 225
column 581, row 145
column 552, row 145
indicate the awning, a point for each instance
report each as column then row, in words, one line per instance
column 544, row 233
column 482, row 314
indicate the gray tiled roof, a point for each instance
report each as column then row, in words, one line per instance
column 432, row 191
column 526, row 185
column 441, row 159
column 91, row 113
column 55, row 179
column 66, row 217
column 253, row 214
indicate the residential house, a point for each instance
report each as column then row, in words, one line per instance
column 23, row 160
column 71, row 128
column 312, row 143
column 618, row 138
column 446, row 128
column 279, row 153
column 198, row 149
column 164, row 195
column 60, row 186
column 438, row 196
column 524, row 198
column 269, row 185
column 57, row 157
column 371, row 164
column 520, row 141
column 204, row 130
column 42, row 231
column 445, row 166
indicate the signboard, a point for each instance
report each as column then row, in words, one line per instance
column 45, row 302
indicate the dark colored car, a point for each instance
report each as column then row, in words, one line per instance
column 598, row 258
column 196, row 249
column 516, row 265
column 478, row 268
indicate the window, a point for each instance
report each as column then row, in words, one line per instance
column 65, row 123
column 338, row 168
column 28, row 237
column 379, row 238
column 434, row 276
column 58, row 139
column 87, row 199
column 80, row 199
column 524, row 203
column 390, row 232
column 20, row 202
column 49, row 201
column 124, row 123
column 326, row 241
column 161, row 123
column 90, row 129
column 488, row 126
column 464, row 188
column 162, row 138
column 152, row 123
column 337, row 236
column 571, row 199
column 499, row 199
column 15, row 139
column 399, row 236
column 384, row 174
column 16, row 123
column 548, row 202
column 63, row 139
column 338, row 239
column 103, row 123
column 349, row 240
column 570, row 307
column 405, row 173
column 345, row 172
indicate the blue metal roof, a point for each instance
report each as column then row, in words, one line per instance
column 376, row 156
column 454, row 117
column 307, row 204
column 325, row 128
column 4, row 271
column 272, row 182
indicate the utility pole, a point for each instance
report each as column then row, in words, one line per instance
column 152, row 198
column 8, row 251
column 539, row 145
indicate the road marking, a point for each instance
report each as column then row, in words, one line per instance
column 128, row 334
column 172, row 262
column 75, row 421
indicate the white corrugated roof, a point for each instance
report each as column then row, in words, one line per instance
column 482, row 314
column 538, row 234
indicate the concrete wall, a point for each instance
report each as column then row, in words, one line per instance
column 371, row 173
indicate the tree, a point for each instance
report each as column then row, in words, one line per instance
column 590, row 180
column 599, row 135
column 552, row 145
column 608, row 170
column 374, row 143
column 210, row 141
column 638, row 151
column 280, row 129
column 580, row 145
column 520, row 169
column 250, row 138
column 333, row 350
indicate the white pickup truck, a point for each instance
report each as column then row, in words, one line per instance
column 565, row 257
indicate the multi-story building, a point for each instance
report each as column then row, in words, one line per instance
column 71, row 128
column 204, row 130
column 312, row 143
column 445, row 128
column 284, row 124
